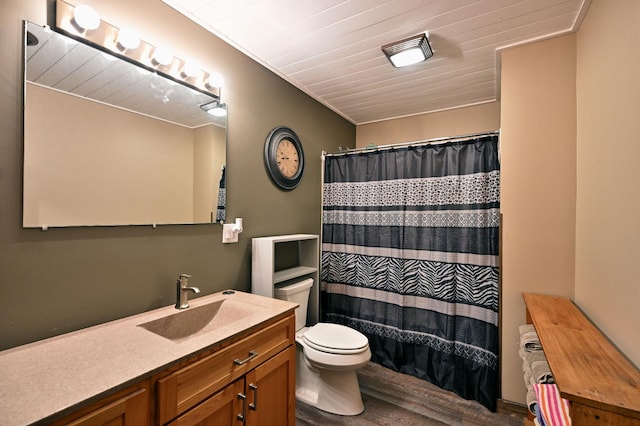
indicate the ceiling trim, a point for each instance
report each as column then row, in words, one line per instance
column 430, row 112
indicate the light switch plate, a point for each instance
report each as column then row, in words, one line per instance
column 228, row 236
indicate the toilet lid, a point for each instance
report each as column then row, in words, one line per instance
column 335, row 338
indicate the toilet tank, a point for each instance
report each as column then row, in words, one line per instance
column 297, row 293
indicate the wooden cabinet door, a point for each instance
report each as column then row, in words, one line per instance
column 129, row 410
column 221, row 409
column 270, row 391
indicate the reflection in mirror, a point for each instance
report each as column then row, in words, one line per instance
column 110, row 143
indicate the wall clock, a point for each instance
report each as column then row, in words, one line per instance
column 284, row 157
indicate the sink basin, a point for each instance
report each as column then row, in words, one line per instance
column 199, row 320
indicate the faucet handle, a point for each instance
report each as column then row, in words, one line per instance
column 182, row 281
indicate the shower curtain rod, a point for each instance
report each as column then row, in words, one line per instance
column 414, row 143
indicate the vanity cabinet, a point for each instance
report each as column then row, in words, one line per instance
column 236, row 357
column 250, row 381
column 283, row 259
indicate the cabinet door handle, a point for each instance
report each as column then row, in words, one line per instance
column 254, row 405
column 243, row 416
column 247, row 359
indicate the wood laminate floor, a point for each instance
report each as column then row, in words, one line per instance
column 392, row 398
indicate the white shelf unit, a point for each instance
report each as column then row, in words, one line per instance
column 265, row 276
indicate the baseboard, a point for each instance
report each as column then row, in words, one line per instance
column 512, row 408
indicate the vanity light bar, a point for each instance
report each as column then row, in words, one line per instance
column 128, row 45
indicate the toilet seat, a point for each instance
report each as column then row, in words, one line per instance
column 335, row 339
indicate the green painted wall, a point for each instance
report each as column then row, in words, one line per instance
column 65, row 279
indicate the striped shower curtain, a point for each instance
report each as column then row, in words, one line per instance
column 410, row 259
column 221, row 209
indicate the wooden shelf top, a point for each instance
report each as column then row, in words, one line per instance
column 587, row 367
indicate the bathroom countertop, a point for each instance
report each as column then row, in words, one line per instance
column 49, row 378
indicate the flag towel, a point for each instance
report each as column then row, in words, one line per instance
column 553, row 408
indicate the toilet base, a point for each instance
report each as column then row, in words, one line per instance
column 336, row 392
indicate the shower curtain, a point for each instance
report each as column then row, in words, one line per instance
column 410, row 259
column 221, row 210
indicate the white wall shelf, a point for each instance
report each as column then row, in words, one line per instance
column 265, row 275
column 291, row 273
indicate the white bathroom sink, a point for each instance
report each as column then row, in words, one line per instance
column 195, row 321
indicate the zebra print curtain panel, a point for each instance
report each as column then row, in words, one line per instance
column 410, row 259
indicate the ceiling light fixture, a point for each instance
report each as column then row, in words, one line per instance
column 408, row 51
column 215, row 108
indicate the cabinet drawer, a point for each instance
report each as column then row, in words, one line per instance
column 193, row 383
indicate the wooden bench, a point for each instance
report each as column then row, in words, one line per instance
column 602, row 385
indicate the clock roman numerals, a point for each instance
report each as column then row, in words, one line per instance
column 287, row 158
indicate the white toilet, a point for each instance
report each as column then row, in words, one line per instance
column 328, row 356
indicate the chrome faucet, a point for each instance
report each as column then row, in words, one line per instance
column 182, row 291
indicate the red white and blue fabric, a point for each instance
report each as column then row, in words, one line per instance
column 553, row 409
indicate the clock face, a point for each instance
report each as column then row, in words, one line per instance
column 284, row 158
column 287, row 158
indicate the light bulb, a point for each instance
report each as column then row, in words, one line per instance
column 128, row 38
column 407, row 57
column 191, row 69
column 215, row 80
column 162, row 56
column 86, row 17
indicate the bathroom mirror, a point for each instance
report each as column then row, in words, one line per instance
column 107, row 142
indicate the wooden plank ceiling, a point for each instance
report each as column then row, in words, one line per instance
column 330, row 49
